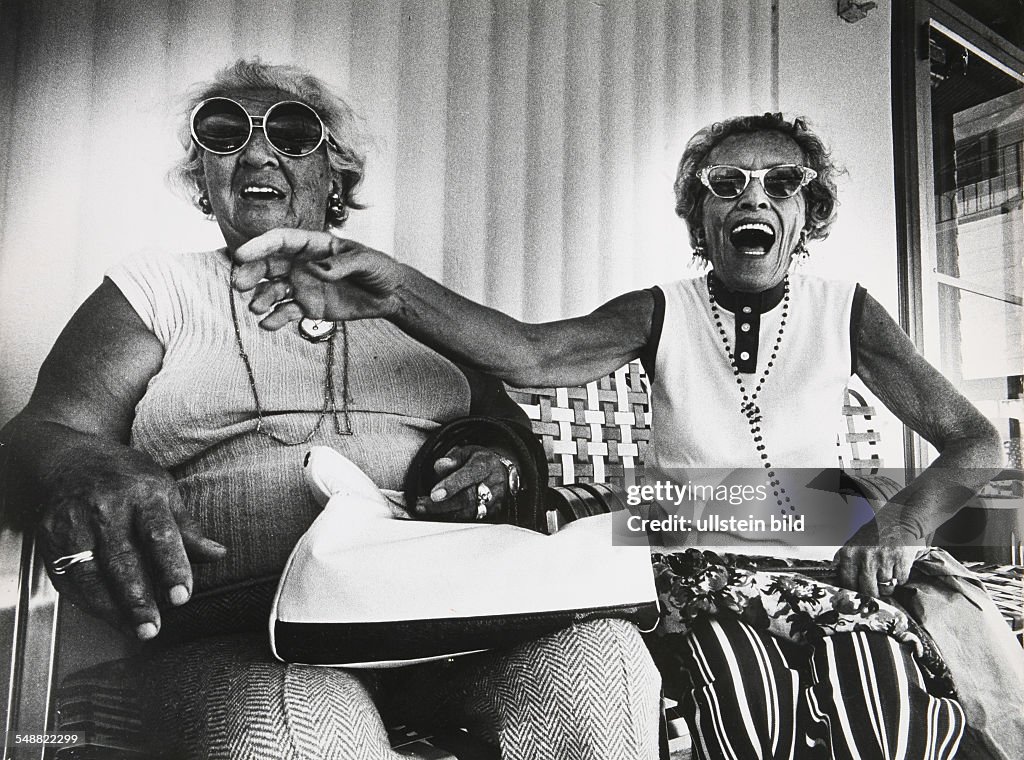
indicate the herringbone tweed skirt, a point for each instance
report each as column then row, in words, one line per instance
column 589, row 692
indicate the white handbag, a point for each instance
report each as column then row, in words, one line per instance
column 365, row 589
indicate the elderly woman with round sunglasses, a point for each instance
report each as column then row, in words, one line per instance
column 166, row 426
column 749, row 364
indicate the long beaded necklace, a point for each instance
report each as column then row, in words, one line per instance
column 749, row 408
column 341, row 426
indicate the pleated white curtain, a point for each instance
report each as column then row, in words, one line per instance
column 523, row 151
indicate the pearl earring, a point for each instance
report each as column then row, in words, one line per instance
column 202, row 202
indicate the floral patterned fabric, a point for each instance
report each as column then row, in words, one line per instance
column 798, row 603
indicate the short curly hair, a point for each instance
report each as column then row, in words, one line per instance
column 820, row 193
column 245, row 77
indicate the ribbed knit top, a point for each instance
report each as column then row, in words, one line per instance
column 198, row 419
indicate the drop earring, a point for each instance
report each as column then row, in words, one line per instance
column 337, row 211
column 202, row 202
column 800, row 253
column 699, row 251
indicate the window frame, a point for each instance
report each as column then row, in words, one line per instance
column 912, row 23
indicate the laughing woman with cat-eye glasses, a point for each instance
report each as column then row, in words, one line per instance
column 774, row 647
column 165, row 418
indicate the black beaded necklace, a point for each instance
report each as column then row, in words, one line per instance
column 749, row 408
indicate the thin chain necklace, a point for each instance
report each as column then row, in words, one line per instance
column 749, row 408
column 343, row 425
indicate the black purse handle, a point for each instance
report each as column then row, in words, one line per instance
column 527, row 509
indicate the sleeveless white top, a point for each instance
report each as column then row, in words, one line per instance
column 698, row 431
column 696, row 416
column 198, row 418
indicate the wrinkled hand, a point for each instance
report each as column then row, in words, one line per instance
column 462, row 469
column 297, row 273
column 129, row 513
column 878, row 552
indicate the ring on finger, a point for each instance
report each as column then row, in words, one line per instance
column 62, row 564
column 483, row 498
column 887, row 586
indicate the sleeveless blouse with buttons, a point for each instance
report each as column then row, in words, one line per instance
column 695, row 398
column 699, row 433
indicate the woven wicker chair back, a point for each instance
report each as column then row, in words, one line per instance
column 600, row 432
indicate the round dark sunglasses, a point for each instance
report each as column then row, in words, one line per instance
column 223, row 126
column 783, row 181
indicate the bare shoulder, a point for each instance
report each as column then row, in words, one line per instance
column 578, row 350
column 632, row 312
column 881, row 340
column 99, row 366
column 916, row 392
column 887, row 355
column 623, row 325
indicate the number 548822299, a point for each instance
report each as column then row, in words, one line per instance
column 44, row 738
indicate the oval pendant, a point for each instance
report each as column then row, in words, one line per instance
column 316, row 330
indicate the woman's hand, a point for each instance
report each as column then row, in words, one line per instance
column 877, row 558
column 129, row 514
column 88, row 493
column 455, row 498
column 296, row 273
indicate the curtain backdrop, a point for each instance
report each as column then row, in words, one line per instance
column 523, row 152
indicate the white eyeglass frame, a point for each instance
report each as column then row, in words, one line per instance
column 808, row 176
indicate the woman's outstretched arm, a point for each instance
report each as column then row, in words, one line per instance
column 315, row 274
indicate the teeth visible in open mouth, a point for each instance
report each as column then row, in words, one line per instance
column 261, row 192
column 754, row 238
column 760, row 226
